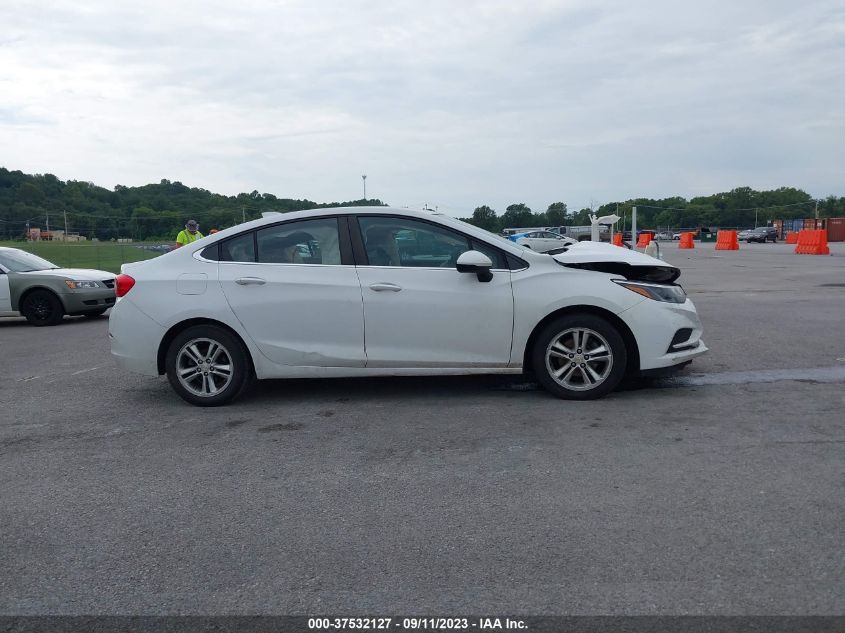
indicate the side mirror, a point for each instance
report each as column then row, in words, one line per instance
column 475, row 262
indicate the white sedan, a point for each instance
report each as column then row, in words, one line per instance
column 376, row 291
column 542, row 241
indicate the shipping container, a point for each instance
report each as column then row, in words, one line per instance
column 810, row 223
column 835, row 229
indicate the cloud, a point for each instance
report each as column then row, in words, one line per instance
column 452, row 103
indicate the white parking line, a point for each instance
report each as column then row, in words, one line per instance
column 82, row 371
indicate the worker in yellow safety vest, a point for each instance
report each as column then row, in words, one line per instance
column 190, row 234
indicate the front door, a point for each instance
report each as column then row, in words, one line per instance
column 5, row 293
column 296, row 298
column 419, row 311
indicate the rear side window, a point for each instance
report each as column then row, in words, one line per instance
column 305, row 242
column 238, row 249
column 211, row 253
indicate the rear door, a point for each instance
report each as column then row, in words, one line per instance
column 294, row 288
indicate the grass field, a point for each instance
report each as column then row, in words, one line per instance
column 100, row 255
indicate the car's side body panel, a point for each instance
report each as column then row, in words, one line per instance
column 537, row 295
column 440, row 322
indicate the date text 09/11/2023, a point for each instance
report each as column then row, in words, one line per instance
column 415, row 623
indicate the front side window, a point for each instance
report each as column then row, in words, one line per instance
column 409, row 243
column 304, row 242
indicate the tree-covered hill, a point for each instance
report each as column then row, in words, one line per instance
column 150, row 211
column 158, row 211
column 741, row 207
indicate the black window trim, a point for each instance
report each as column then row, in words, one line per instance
column 513, row 262
column 346, row 248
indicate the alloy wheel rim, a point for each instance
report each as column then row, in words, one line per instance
column 40, row 308
column 579, row 359
column 204, row 367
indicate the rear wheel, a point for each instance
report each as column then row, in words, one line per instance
column 42, row 307
column 207, row 365
column 579, row 357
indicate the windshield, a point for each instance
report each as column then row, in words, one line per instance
column 17, row 261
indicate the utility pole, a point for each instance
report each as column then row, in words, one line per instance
column 817, row 209
column 755, row 217
column 48, row 222
column 243, row 214
column 364, row 180
column 65, row 212
column 634, row 228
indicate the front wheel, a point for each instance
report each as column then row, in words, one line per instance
column 579, row 357
column 42, row 307
column 207, row 365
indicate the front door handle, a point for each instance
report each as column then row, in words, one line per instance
column 250, row 281
column 379, row 287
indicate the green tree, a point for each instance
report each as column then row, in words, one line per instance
column 484, row 217
column 556, row 214
column 518, row 216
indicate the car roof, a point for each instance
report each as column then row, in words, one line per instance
column 274, row 218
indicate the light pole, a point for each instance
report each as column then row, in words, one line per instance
column 364, row 180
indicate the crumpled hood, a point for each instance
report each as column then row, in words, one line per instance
column 616, row 260
column 78, row 274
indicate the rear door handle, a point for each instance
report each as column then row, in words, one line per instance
column 250, row 281
column 379, row 287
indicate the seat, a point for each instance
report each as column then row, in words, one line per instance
column 381, row 247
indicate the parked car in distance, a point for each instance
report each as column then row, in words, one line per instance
column 389, row 292
column 44, row 293
column 761, row 234
column 663, row 236
column 542, row 241
column 581, row 233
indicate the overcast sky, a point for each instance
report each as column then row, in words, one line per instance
column 453, row 103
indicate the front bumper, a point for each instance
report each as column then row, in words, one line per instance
column 80, row 301
column 655, row 323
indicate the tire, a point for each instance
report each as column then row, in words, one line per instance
column 574, row 383
column 188, row 350
column 94, row 314
column 42, row 307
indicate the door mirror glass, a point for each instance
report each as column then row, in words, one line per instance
column 475, row 262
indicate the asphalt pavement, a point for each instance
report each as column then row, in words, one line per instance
column 719, row 495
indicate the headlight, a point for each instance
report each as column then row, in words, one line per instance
column 81, row 285
column 658, row 292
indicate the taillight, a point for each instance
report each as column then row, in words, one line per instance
column 123, row 284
